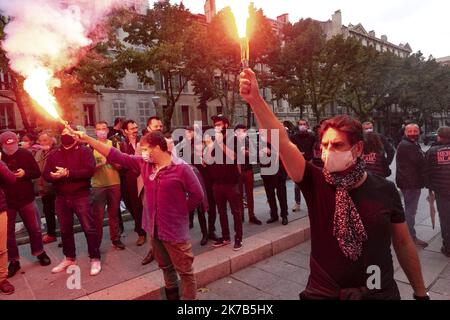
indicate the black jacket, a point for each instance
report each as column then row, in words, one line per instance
column 410, row 165
column 81, row 165
column 6, row 178
column 21, row 193
column 305, row 143
column 437, row 167
column 377, row 163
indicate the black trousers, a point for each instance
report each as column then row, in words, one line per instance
column 132, row 202
column 48, row 206
column 276, row 184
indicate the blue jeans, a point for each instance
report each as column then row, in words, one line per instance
column 443, row 206
column 28, row 213
column 81, row 206
column 411, row 197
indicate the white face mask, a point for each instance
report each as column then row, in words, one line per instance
column 337, row 161
column 369, row 130
column 146, row 156
column 303, row 128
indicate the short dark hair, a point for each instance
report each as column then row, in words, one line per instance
column 152, row 118
column 102, row 122
column 126, row 123
column 373, row 143
column 155, row 138
column 444, row 133
column 117, row 121
column 303, row 120
column 240, row 126
column 30, row 135
column 349, row 126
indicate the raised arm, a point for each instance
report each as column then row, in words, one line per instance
column 293, row 160
column 112, row 155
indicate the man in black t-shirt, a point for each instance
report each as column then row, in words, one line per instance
column 225, row 176
column 351, row 229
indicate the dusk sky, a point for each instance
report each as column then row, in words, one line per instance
column 423, row 24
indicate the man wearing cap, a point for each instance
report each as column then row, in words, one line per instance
column 225, row 175
column 246, row 178
column 25, row 168
column 437, row 171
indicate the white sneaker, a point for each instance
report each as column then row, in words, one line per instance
column 296, row 207
column 64, row 265
column 96, row 267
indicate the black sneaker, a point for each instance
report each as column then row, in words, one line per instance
column 117, row 244
column 255, row 220
column 272, row 220
column 220, row 243
column 13, row 267
column 284, row 221
column 204, row 240
column 237, row 245
column 44, row 260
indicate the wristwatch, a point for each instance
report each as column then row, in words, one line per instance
column 425, row 297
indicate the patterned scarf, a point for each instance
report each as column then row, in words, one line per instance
column 347, row 227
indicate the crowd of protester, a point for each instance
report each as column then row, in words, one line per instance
column 165, row 184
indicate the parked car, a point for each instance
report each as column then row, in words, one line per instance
column 430, row 137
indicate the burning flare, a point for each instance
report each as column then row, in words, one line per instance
column 44, row 37
column 39, row 85
column 241, row 14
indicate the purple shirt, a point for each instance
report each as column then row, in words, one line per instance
column 169, row 197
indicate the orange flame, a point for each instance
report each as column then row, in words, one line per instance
column 241, row 16
column 40, row 85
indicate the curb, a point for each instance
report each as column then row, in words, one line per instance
column 213, row 265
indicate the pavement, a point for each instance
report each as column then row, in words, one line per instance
column 273, row 264
column 124, row 278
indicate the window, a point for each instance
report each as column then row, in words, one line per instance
column 118, row 110
column 7, row 119
column 205, row 115
column 219, row 110
column 89, row 115
column 159, row 81
column 145, row 112
column 5, row 81
column 185, row 115
column 143, row 86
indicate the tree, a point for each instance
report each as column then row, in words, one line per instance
column 369, row 83
column 309, row 70
column 161, row 44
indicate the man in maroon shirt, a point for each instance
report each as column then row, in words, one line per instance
column 351, row 230
column 166, row 185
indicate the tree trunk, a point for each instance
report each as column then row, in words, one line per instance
column 167, row 116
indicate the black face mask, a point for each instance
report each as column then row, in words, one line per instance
column 67, row 140
column 413, row 138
